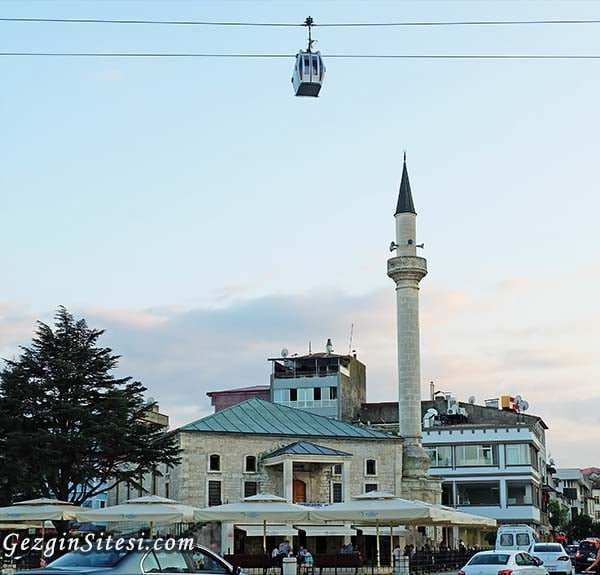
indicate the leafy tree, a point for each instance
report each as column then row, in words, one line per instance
column 558, row 515
column 580, row 526
column 69, row 428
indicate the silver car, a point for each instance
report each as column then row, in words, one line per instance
column 503, row 563
column 138, row 562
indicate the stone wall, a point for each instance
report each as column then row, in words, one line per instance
column 188, row 482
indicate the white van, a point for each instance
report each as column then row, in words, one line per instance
column 515, row 538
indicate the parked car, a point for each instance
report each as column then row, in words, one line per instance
column 554, row 556
column 112, row 562
column 586, row 553
column 503, row 563
column 572, row 552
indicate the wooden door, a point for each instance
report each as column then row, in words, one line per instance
column 299, row 495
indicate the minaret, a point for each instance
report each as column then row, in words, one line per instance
column 407, row 270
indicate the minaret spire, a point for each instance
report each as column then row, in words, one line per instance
column 405, row 202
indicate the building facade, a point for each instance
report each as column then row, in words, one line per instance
column 491, row 461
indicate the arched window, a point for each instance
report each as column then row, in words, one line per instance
column 370, row 467
column 214, row 463
column 250, row 464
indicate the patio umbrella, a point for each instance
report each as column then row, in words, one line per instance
column 151, row 508
column 261, row 507
column 381, row 508
column 39, row 510
column 461, row 518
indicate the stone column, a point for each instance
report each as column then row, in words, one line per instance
column 346, row 481
column 226, row 538
column 288, row 479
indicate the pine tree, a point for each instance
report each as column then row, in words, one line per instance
column 69, row 428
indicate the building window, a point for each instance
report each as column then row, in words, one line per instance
column 337, row 495
column 214, row 462
column 371, row 487
column 167, row 491
column 333, row 393
column 480, row 493
column 293, row 395
column 317, row 394
column 281, row 395
column 101, row 504
column 250, row 488
column 519, row 493
column 518, row 454
column 440, row 455
column 370, row 467
column 337, row 469
column 476, row 455
column 214, row 493
column 154, row 482
column 128, row 491
column 250, row 464
column 447, row 494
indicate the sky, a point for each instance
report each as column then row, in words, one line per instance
column 207, row 218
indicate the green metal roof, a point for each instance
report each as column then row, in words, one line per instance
column 305, row 448
column 260, row 417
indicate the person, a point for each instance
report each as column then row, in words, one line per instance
column 308, row 558
column 300, row 556
column 595, row 565
column 397, row 553
column 285, row 548
column 275, row 552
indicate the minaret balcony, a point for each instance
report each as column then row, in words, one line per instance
column 407, row 268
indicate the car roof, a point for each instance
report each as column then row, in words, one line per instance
column 497, row 551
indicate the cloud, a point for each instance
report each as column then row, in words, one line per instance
column 519, row 336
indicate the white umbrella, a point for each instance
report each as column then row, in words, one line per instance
column 261, row 507
column 152, row 509
column 39, row 510
column 461, row 518
column 42, row 509
column 379, row 507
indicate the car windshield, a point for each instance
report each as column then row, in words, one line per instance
column 93, row 558
column 548, row 549
column 489, row 559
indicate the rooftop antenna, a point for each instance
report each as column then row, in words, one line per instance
column 309, row 347
column 351, row 334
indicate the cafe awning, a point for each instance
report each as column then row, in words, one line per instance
column 383, row 530
column 326, row 530
column 273, row 530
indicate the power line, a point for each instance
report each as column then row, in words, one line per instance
column 300, row 24
column 326, row 56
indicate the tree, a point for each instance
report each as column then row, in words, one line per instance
column 580, row 526
column 558, row 514
column 69, row 428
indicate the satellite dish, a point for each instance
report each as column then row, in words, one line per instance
column 472, row 400
column 284, row 352
column 150, row 400
column 518, row 399
column 524, row 405
column 552, row 461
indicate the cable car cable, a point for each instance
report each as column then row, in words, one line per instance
column 328, row 56
column 300, row 24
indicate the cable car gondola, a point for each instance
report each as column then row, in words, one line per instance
column 308, row 74
column 309, row 69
